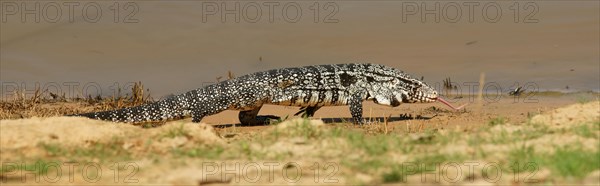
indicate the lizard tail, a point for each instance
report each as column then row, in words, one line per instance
column 163, row 110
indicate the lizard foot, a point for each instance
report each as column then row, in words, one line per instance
column 260, row 120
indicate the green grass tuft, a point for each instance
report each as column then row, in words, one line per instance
column 176, row 132
column 565, row 161
column 573, row 162
column 497, row 121
column 102, row 151
column 212, row 152
column 587, row 130
column 393, row 176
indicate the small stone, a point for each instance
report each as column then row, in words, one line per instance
column 592, row 179
column 363, row 178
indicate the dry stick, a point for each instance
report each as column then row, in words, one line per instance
column 385, row 122
column 234, row 129
column 371, row 114
column 480, row 94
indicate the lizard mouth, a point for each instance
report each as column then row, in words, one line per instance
column 448, row 104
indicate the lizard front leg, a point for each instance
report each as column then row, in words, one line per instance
column 356, row 107
column 250, row 117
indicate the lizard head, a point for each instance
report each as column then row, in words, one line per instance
column 419, row 91
column 406, row 89
column 397, row 87
column 409, row 90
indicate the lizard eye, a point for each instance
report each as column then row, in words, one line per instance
column 416, row 89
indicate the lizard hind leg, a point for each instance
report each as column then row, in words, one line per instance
column 251, row 117
column 197, row 116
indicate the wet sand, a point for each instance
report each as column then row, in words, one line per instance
column 171, row 50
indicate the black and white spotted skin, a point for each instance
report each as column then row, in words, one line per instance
column 309, row 87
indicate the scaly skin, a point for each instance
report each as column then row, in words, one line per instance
column 309, row 87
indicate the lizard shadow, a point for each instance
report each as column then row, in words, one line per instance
column 376, row 119
column 403, row 117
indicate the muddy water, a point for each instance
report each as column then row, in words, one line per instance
column 177, row 46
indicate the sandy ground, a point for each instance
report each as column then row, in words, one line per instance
column 514, row 109
column 29, row 140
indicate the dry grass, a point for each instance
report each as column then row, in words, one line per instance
column 46, row 104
